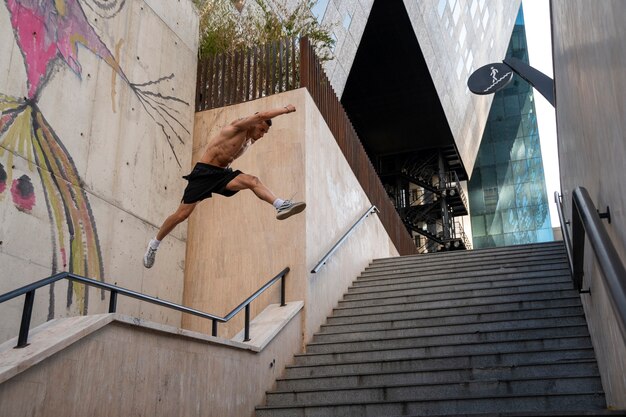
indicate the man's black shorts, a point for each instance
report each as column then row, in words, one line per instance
column 207, row 179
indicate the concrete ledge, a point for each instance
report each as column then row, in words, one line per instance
column 265, row 326
column 46, row 340
column 56, row 335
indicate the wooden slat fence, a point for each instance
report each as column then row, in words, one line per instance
column 246, row 75
column 286, row 65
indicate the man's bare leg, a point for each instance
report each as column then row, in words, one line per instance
column 284, row 208
column 180, row 215
column 249, row 182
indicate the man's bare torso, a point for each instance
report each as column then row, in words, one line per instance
column 225, row 147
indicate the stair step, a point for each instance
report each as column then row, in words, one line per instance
column 503, row 317
column 448, row 338
column 580, row 368
column 462, row 257
column 411, row 312
column 460, row 301
column 426, row 331
column 485, row 266
column 387, row 323
column 455, row 405
column 436, row 391
column 416, row 287
column 497, row 253
column 438, row 295
column 563, row 348
column 459, row 276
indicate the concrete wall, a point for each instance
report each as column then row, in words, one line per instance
column 589, row 63
column 95, row 132
column 456, row 38
column 132, row 368
column 236, row 244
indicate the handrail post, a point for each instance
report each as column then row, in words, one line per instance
column 29, row 299
column 214, row 328
column 612, row 269
column 564, row 230
column 282, row 291
column 578, row 246
column 246, row 337
column 113, row 302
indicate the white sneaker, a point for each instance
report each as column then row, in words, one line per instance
column 148, row 258
column 288, row 209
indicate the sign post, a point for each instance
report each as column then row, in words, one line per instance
column 494, row 77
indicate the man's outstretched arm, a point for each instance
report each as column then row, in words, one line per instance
column 253, row 120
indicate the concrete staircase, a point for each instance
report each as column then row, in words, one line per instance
column 490, row 331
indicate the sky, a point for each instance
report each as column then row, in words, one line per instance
column 538, row 36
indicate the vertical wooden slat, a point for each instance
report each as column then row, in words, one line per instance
column 229, row 79
column 273, row 68
column 282, row 82
column 242, row 73
column 304, row 64
column 222, row 74
column 255, row 73
column 288, row 84
column 235, row 73
column 294, row 60
column 240, row 80
column 208, row 81
column 200, row 87
column 215, row 77
column 267, row 69
column 248, row 81
column 211, row 80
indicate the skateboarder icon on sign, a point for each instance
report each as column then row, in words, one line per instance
column 212, row 174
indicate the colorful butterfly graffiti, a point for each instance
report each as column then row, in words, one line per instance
column 50, row 34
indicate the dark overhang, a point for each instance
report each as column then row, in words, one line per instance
column 389, row 95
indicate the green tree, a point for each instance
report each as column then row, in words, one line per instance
column 228, row 26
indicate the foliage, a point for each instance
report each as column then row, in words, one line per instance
column 227, row 26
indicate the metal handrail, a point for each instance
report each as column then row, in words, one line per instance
column 343, row 238
column 587, row 221
column 568, row 243
column 29, row 292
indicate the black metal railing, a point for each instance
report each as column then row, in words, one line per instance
column 29, row 292
column 343, row 238
column 587, row 221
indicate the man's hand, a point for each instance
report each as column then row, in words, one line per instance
column 290, row 108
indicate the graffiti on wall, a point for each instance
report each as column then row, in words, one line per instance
column 50, row 35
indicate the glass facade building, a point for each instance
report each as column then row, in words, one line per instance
column 507, row 191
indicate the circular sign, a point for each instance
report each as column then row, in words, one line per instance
column 490, row 78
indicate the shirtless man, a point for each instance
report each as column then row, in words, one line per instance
column 212, row 174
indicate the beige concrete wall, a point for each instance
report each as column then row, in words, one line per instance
column 125, row 370
column 94, row 149
column 236, row 244
column 589, row 62
column 335, row 202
